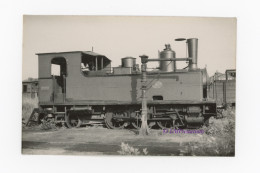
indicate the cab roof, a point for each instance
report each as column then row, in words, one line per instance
column 89, row 53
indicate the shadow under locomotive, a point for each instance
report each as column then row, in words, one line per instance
column 81, row 87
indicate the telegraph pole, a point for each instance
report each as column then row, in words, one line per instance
column 144, row 130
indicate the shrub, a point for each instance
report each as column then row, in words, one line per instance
column 219, row 138
column 128, row 150
column 28, row 104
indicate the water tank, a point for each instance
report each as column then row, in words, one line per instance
column 128, row 62
column 167, row 53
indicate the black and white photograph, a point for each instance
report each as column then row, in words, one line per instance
column 129, row 85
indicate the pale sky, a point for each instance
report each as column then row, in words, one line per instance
column 118, row 37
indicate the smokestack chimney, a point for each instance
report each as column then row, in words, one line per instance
column 193, row 53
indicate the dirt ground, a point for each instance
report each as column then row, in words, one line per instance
column 102, row 141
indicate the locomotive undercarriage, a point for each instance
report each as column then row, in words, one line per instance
column 126, row 116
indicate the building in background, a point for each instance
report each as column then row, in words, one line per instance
column 30, row 88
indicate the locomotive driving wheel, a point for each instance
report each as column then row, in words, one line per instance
column 113, row 123
column 72, row 120
column 137, row 124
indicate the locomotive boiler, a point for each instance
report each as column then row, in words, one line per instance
column 86, row 89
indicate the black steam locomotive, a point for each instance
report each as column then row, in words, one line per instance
column 81, row 87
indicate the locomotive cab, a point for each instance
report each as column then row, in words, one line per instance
column 56, row 68
column 95, row 64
